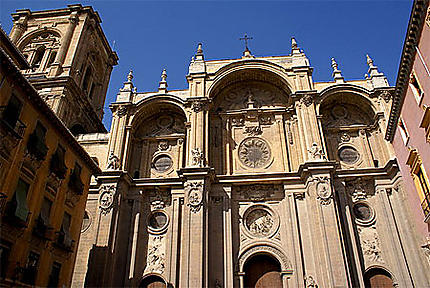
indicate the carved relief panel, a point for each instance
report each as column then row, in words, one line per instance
column 258, row 211
column 158, row 146
column 248, row 129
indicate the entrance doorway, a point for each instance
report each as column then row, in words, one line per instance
column 153, row 281
column 377, row 278
column 262, row 271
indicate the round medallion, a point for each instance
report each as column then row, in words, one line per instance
column 362, row 212
column 162, row 163
column 106, row 200
column 254, row 152
column 348, row 154
column 260, row 221
column 86, row 222
column 339, row 112
column 157, row 220
column 165, row 121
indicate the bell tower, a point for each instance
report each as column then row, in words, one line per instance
column 71, row 62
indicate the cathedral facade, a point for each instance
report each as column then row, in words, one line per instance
column 254, row 176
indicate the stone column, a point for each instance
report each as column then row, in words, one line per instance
column 330, row 264
column 119, row 137
column 312, row 147
column 194, row 238
column 65, row 43
column 228, row 239
column 198, row 133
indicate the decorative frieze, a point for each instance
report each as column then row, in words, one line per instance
column 316, row 153
column 370, row 245
column 258, row 192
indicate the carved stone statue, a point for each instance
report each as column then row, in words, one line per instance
column 113, row 162
column 197, row 158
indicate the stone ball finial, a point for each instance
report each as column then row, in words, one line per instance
column 164, row 75
column 199, row 48
column 334, row 64
column 293, row 43
column 369, row 60
column 130, row 76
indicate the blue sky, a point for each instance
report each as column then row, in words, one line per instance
column 152, row 35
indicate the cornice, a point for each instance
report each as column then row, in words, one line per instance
column 415, row 27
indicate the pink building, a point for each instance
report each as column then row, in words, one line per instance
column 409, row 122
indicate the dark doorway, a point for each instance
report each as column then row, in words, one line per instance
column 377, row 278
column 152, row 281
column 262, row 271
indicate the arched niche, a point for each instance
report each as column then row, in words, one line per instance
column 377, row 277
column 262, row 270
column 158, row 137
column 351, row 130
column 78, row 129
column 153, row 281
column 248, row 106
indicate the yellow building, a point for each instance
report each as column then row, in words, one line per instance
column 44, row 182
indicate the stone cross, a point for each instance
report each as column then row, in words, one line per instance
column 246, row 38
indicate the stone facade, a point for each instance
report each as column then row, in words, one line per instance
column 254, row 160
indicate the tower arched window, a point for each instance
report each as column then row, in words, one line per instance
column 87, row 79
column 38, row 56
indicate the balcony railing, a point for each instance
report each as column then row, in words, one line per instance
column 42, row 229
column 425, row 205
column 13, row 124
column 64, row 241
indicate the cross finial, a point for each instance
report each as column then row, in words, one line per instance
column 164, row 75
column 162, row 88
column 246, row 38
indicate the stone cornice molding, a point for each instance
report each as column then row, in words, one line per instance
column 415, row 27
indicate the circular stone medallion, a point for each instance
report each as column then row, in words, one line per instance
column 259, row 222
column 254, row 152
column 348, row 154
column 362, row 212
column 162, row 163
column 157, row 220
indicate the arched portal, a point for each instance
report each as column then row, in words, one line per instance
column 262, row 271
column 153, row 281
column 377, row 278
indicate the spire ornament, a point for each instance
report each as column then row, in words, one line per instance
column 376, row 78
column 130, row 76
column 337, row 74
column 162, row 88
column 246, row 53
column 294, row 47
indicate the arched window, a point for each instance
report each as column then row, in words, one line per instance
column 262, row 271
column 87, row 79
column 38, row 56
column 377, row 277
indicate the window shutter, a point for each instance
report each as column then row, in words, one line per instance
column 21, row 199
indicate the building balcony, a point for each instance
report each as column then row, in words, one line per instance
column 36, row 147
column 11, row 132
column 64, row 241
column 15, row 215
column 57, row 166
column 42, row 229
column 75, row 183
